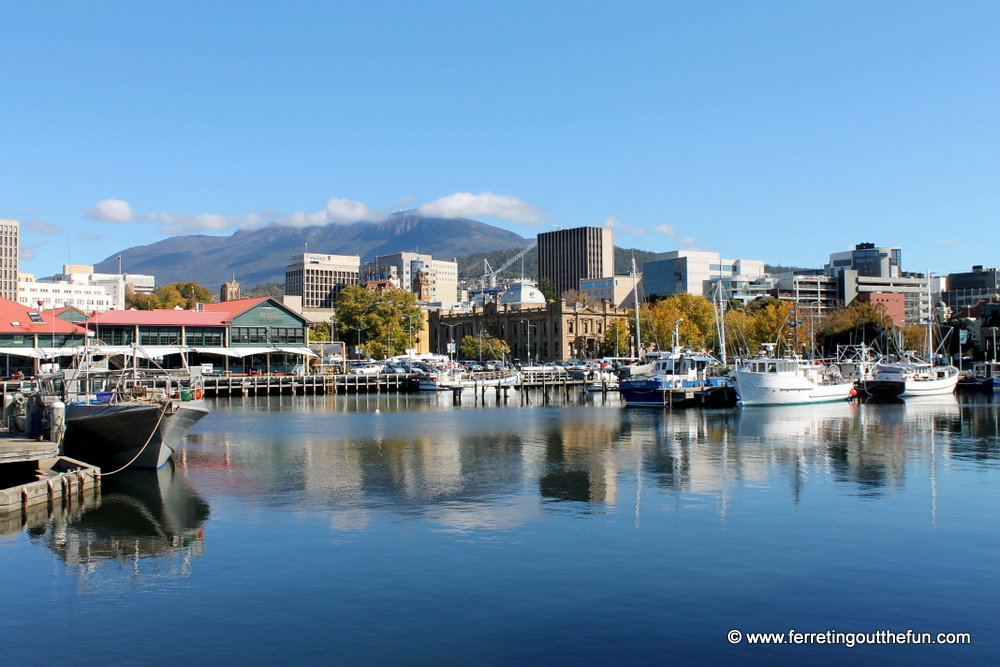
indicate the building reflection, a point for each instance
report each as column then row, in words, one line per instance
column 146, row 524
column 495, row 465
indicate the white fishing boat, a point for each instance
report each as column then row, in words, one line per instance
column 595, row 375
column 911, row 379
column 790, row 381
column 911, row 376
column 450, row 379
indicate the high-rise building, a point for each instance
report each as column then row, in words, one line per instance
column 318, row 279
column 868, row 260
column 567, row 256
column 423, row 275
column 10, row 248
column 700, row 272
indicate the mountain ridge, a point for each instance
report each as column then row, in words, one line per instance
column 259, row 256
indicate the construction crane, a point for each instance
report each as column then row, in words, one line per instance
column 490, row 274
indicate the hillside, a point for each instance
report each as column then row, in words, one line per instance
column 260, row 256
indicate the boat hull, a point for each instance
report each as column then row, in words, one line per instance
column 910, row 388
column 451, row 384
column 658, row 394
column 776, row 389
column 135, row 435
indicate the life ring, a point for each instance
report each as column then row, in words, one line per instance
column 19, row 400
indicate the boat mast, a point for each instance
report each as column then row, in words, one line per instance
column 635, row 292
column 930, row 321
column 721, row 327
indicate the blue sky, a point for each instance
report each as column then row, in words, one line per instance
column 780, row 131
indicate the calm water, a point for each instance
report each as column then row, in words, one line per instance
column 408, row 530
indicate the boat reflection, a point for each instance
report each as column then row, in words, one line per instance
column 146, row 522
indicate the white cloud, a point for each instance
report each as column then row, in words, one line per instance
column 112, row 210
column 43, row 227
column 338, row 211
column 689, row 243
column 178, row 223
column 946, row 242
column 468, row 205
column 614, row 223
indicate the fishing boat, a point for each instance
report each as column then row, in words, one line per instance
column 984, row 376
column 125, row 418
column 770, row 380
column 450, row 379
column 679, row 379
column 912, row 378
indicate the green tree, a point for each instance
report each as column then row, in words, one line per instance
column 548, row 290
column 616, row 339
column 378, row 322
column 484, row 346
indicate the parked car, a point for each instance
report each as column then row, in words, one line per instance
column 365, row 368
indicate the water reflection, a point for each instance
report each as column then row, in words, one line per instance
column 499, row 464
column 147, row 524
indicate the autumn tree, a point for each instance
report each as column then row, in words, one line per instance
column 174, row 295
column 484, row 347
column 382, row 319
column 860, row 322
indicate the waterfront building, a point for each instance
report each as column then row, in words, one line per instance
column 701, row 273
column 248, row 335
column 535, row 331
column 967, row 291
column 567, row 256
column 618, row 290
column 428, row 278
column 319, row 279
column 10, row 250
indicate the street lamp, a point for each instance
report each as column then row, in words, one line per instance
column 528, row 326
column 451, row 328
column 677, row 334
column 359, row 330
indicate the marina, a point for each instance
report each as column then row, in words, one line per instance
column 562, row 531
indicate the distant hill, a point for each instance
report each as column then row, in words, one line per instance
column 259, row 256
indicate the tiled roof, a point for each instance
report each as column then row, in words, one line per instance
column 14, row 319
column 188, row 318
column 234, row 308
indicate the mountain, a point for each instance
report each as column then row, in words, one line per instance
column 260, row 256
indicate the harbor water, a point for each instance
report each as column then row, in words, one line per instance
column 563, row 530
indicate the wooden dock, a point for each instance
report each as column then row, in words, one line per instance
column 36, row 482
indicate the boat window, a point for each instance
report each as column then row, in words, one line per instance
column 772, row 368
